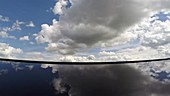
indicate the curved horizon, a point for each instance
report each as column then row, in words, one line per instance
column 84, row 63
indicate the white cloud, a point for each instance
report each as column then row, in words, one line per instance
column 6, row 29
column 136, row 53
column 159, row 34
column 4, row 34
column 59, row 7
column 8, row 51
column 80, row 25
column 17, row 25
column 24, row 38
column 4, row 19
column 49, row 33
column 31, row 24
column 32, row 43
column 33, row 56
column 70, row 58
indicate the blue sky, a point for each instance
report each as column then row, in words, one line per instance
column 25, row 11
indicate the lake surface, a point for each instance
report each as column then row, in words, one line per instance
column 143, row 79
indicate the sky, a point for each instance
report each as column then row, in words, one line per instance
column 84, row 30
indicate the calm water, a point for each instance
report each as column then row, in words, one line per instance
column 111, row 80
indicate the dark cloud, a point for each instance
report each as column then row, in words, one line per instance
column 116, row 80
column 89, row 21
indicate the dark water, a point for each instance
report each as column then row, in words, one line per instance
column 114, row 80
column 20, row 80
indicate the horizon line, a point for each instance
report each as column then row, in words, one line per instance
column 84, row 63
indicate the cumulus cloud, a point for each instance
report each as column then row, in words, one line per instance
column 6, row 29
column 135, row 53
column 48, row 33
column 146, row 40
column 159, row 34
column 88, row 22
column 31, row 24
column 8, row 51
column 4, row 34
column 4, row 19
column 59, row 7
column 65, row 47
column 119, row 80
column 24, row 38
column 17, row 25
